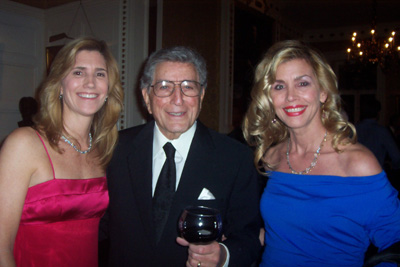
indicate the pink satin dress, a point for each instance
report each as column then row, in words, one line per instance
column 60, row 221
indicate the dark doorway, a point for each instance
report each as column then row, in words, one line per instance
column 253, row 36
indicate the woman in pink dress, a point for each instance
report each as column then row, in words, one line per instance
column 53, row 188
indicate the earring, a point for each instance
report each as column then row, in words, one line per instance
column 105, row 100
column 274, row 121
column 60, row 96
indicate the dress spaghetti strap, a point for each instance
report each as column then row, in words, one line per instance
column 47, row 152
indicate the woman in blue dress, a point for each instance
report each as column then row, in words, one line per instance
column 327, row 198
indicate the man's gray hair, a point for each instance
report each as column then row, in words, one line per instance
column 180, row 54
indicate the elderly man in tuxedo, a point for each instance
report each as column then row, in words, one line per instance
column 204, row 168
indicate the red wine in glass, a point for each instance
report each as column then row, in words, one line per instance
column 200, row 225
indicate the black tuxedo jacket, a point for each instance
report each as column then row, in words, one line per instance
column 216, row 162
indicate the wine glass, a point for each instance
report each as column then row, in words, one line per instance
column 200, row 225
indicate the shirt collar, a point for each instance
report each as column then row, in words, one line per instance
column 181, row 144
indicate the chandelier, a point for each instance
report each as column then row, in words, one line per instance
column 374, row 49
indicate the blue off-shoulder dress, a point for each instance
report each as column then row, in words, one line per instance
column 316, row 220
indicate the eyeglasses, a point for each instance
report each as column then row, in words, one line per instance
column 166, row 88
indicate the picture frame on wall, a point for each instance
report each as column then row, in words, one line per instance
column 51, row 52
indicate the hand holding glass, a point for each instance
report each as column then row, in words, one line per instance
column 200, row 225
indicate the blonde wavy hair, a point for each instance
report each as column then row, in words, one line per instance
column 49, row 120
column 258, row 128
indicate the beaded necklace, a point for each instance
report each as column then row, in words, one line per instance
column 313, row 163
column 77, row 149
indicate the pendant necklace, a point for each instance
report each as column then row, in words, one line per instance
column 313, row 163
column 77, row 149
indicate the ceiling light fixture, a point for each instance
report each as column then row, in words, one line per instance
column 375, row 49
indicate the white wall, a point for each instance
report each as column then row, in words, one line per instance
column 22, row 59
column 24, row 36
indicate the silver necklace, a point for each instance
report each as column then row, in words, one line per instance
column 77, row 149
column 313, row 163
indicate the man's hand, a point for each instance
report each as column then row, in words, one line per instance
column 210, row 255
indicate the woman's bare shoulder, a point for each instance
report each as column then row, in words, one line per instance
column 359, row 161
column 19, row 157
column 22, row 142
column 22, row 136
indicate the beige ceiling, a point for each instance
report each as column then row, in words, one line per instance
column 44, row 4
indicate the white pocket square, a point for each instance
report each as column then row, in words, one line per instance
column 206, row 195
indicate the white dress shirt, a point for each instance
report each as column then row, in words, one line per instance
column 182, row 146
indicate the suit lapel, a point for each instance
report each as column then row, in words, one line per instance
column 140, row 174
column 198, row 163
